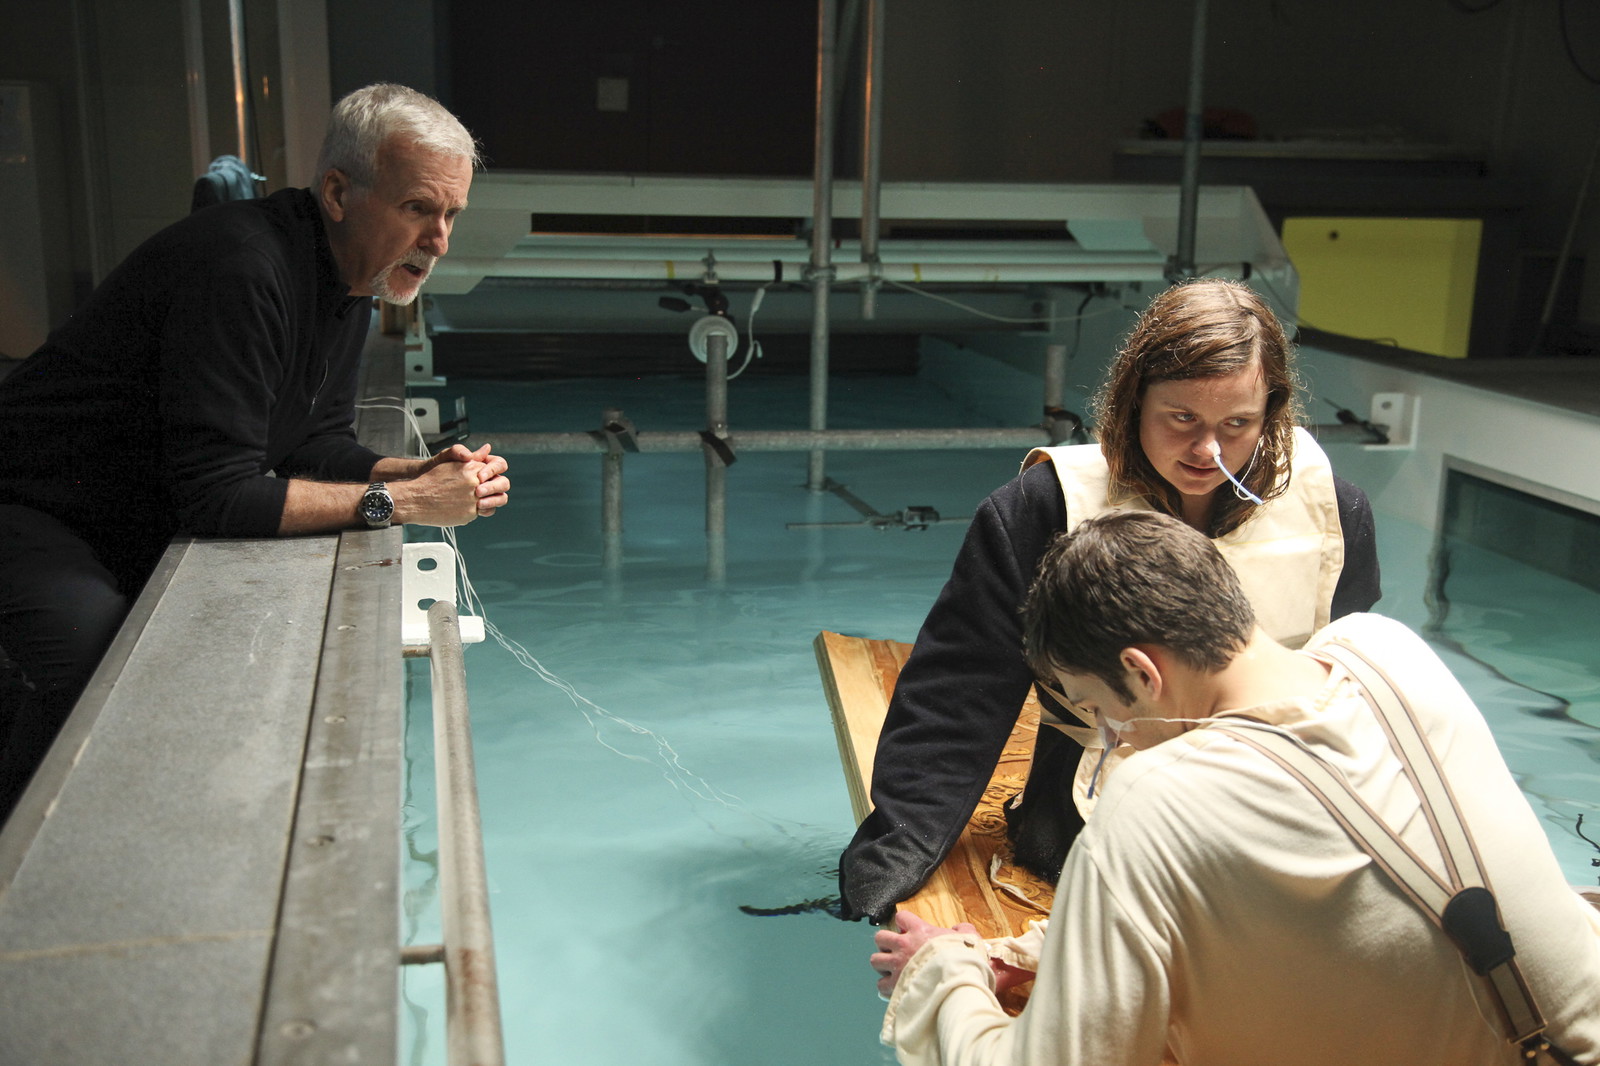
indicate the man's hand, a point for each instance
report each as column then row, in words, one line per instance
column 448, row 489
column 458, row 453
column 896, row 946
column 494, row 488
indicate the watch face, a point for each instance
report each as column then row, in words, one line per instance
column 377, row 507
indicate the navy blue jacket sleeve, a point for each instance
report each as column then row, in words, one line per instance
column 1359, row 586
column 956, row 700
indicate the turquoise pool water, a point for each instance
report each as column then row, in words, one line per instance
column 624, row 833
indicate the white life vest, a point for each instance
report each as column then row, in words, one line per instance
column 1288, row 556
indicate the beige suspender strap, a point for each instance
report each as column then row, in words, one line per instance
column 1393, row 856
column 1426, row 889
column 1458, row 900
column 1462, row 864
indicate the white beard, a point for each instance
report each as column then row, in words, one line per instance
column 382, row 289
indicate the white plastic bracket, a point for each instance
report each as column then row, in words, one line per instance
column 425, row 409
column 419, row 348
column 430, row 423
column 428, row 575
column 1398, row 412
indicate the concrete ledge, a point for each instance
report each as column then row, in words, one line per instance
column 205, row 868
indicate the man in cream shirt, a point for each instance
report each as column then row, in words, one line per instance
column 1213, row 909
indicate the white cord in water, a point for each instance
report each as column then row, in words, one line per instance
column 666, row 758
column 1238, row 486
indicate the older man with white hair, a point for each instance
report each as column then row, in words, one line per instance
column 208, row 386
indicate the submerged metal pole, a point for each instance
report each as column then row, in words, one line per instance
column 611, row 496
column 1182, row 265
column 871, row 145
column 716, row 464
column 821, row 237
column 472, row 994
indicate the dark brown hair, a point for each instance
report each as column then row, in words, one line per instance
column 1125, row 578
column 1199, row 329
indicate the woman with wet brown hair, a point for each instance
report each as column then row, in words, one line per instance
column 1207, row 329
column 1197, row 419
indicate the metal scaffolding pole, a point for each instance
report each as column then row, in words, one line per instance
column 782, row 440
column 1055, row 376
column 821, row 270
column 717, row 458
column 1182, row 265
column 871, row 146
column 611, row 493
column 801, row 440
column 241, row 83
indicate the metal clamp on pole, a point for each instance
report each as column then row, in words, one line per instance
column 719, row 447
column 616, row 432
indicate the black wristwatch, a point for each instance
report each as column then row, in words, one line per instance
column 377, row 506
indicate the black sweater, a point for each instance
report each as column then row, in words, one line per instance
column 223, row 348
column 963, row 686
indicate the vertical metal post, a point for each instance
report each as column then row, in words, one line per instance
column 472, row 998
column 1182, row 265
column 194, row 80
column 241, row 82
column 611, row 496
column 847, row 25
column 821, row 237
column 92, row 139
column 716, row 466
column 871, row 160
column 1537, row 347
column 1055, row 375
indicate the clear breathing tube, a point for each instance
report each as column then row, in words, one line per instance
column 1238, row 486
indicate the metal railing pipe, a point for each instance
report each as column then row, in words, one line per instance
column 839, row 440
column 780, row 440
column 472, row 994
column 1031, row 268
column 792, row 252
